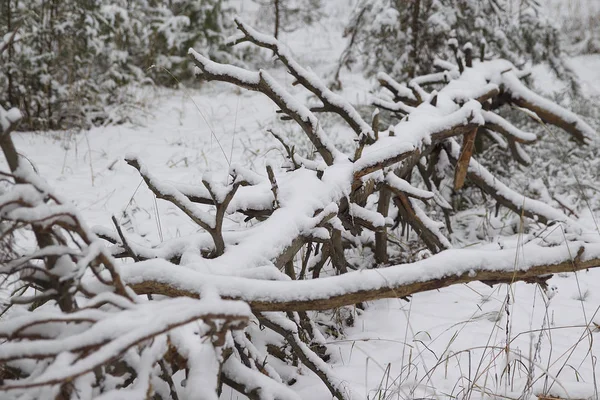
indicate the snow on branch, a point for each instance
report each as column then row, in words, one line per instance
column 547, row 110
column 311, row 217
column 447, row 268
column 520, row 204
column 80, row 328
column 401, row 92
column 498, row 124
column 311, row 235
column 263, row 82
column 105, row 336
column 289, row 330
column 331, row 101
column 397, row 107
column 8, row 120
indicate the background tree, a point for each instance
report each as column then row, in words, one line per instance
column 67, row 60
column 403, row 38
column 47, row 67
column 288, row 15
column 579, row 21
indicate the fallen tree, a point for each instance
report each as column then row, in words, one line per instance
column 292, row 251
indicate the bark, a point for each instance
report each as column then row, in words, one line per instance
column 277, row 6
column 462, row 166
column 314, row 300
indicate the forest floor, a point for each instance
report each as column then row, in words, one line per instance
column 464, row 340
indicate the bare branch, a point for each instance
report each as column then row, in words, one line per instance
column 462, row 164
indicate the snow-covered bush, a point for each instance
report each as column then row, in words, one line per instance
column 73, row 328
column 403, row 38
column 154, row 36
column 46, row 66
column 579, row 22
column 313, row 234
column 65, row 61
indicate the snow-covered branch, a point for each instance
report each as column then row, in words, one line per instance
column 263, row 82
column 447, row 268
column 332, row 102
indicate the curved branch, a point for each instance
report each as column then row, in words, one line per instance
column 401, row 92
column 498, row 124
column 289, row 330
column 113, row 335
column 331, row 101
column 427, row 229
column 504, row 195
column 264, row 83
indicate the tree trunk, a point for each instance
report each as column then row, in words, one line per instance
column 415, row 27
column 276, row 4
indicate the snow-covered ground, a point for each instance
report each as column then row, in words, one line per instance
column 461, row 341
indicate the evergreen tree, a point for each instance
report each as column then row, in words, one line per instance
column 155, row 35
column 65, row 60
column 48, row 66
column 404, row 37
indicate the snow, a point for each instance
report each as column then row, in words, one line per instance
column 522, row 154
column 498, row 139
column 536, row 206
column 388, row 105
column 305, row 114
column 446, row 65
column 244, row 76
column 434, row 226
column 512, row 82
column 566, row 390
column 179, row 141
column 8, row 117
column 419, row 129
column 374, row 218
column 254, row 380
column 315, row 84
column 169, row 191
column 508, row 128
column 384, row 323
column 403, row 186
column 401, row 89
column 471, row 84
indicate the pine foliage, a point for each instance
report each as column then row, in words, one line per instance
column 404, row 37
column 65, row 60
